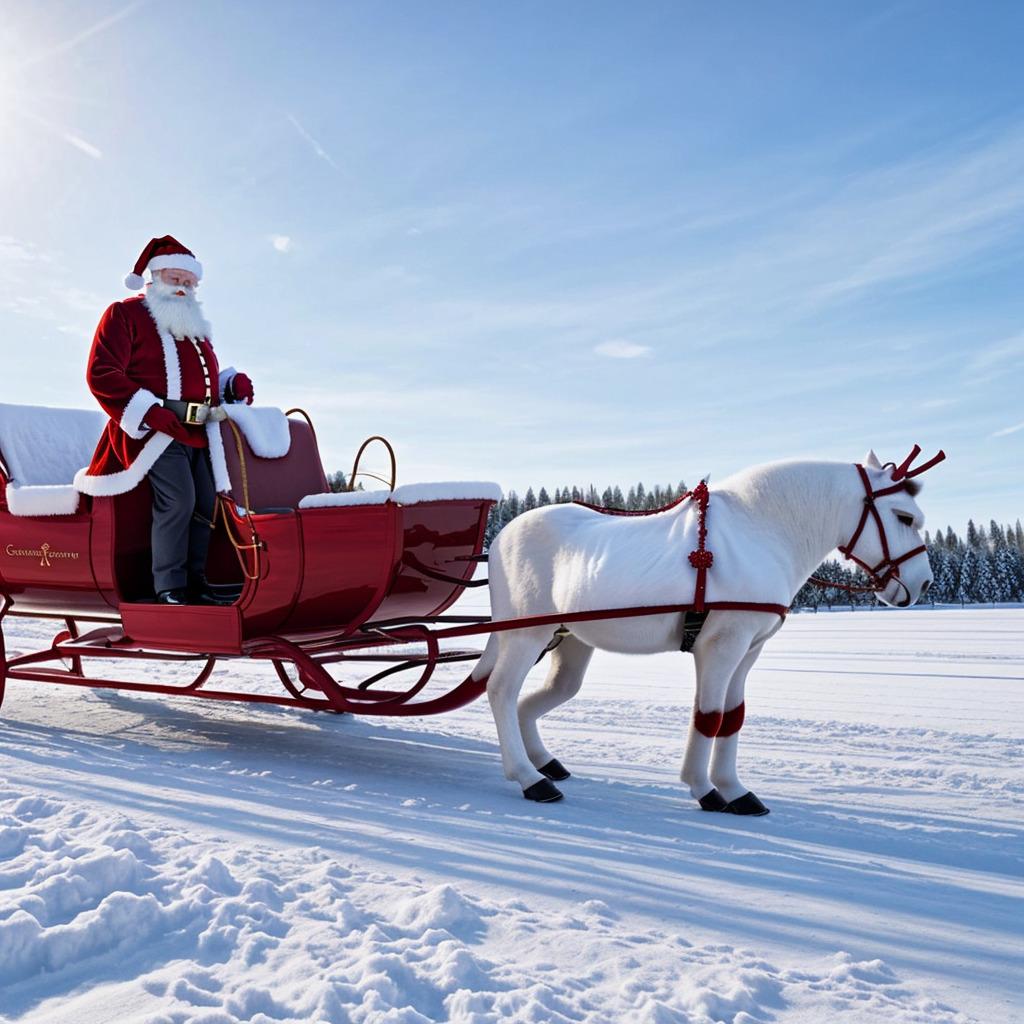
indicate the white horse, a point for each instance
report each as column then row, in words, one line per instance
column 768, row 529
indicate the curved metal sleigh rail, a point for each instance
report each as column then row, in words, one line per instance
column 314, row 689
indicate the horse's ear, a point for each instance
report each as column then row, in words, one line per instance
column 871, row 460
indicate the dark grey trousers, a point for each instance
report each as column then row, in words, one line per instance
column 184, row 499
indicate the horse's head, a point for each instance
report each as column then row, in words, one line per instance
column 887, row 543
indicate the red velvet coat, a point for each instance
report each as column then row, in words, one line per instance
column 133, row 365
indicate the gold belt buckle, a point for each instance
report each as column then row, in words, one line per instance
column 193, row 412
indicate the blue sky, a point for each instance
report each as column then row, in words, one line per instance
column 546, row 243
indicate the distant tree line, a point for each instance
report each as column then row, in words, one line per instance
column 983, row 567
column 638, row 498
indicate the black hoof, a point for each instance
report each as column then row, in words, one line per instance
column 555, row 770
column 747, row 804
column 544, row 792
column 713, row 801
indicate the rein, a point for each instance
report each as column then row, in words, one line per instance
column 888, row 568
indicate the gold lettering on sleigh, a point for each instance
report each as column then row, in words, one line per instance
column 45, row 553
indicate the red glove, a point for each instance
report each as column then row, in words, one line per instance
column 240, row 389
column 163, row 420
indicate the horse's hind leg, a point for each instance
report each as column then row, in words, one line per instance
column 517, row 654
column 569, row 662
column 721, row 648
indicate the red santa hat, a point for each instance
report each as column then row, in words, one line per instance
column 164, row 253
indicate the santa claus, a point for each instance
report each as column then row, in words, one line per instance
column 153, row 369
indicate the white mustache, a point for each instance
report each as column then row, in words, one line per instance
column 173, row 291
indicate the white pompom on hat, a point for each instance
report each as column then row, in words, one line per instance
column 164, row 253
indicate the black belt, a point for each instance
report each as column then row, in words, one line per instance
column 192, row 414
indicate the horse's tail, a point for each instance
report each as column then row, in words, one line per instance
column 485, row 666
column 500, row 606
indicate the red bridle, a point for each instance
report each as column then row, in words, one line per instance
column 888, row 568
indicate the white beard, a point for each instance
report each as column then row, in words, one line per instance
column 181, row 315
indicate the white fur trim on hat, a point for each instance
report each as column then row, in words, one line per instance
column 179, row 261
column 134, row 281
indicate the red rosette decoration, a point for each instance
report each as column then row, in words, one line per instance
column 701, row 559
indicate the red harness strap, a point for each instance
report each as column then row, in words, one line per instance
column 888, row 568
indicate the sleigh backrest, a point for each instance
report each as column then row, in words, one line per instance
column 40, row 445
column 277, row 483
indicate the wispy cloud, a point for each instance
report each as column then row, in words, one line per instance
column 76, row 40
column 82, row 146
column 622, row 350
column 317, row 148
column 282, row 243
column 998, row 352
column 1007, row 430
column 15, row 250
column 72, row 139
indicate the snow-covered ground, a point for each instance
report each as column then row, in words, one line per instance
column 167, row 860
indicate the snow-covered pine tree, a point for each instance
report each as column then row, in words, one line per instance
column 996, row 537
column 947, row 577
column 618, row 501
column 965, row 588
column 514, row 506
column 530, row 501
column 1004, row 573
column 543, row 498
column 973, row 540
column 985, row 586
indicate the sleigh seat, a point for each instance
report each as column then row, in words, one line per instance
column 41, row 450
column 284, row 474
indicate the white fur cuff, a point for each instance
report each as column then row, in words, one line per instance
column 138, row 405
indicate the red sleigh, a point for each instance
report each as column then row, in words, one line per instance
column 320, row 579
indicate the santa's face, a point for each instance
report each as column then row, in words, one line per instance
column 180, row 282
column 171, row 298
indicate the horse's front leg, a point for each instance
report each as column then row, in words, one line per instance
column 724, row 777
column 723, row 651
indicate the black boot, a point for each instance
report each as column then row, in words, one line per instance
column 176, row 596
column 200, row 591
